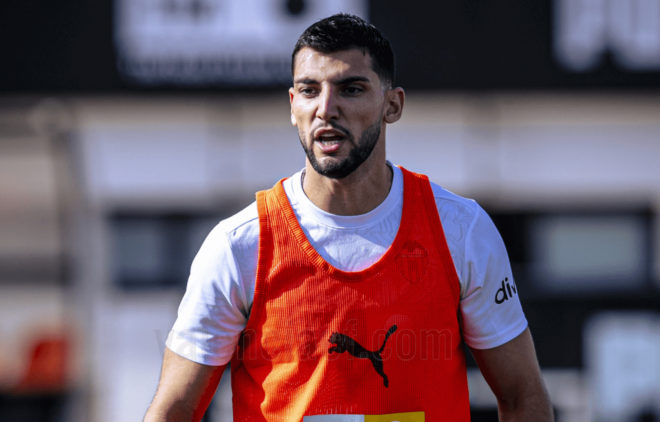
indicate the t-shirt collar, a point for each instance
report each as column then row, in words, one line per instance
column 348, row 221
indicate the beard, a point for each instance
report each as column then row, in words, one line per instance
column 358, row 154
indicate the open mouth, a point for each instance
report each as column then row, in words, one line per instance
column 330, row 139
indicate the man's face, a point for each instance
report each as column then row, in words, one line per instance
column 337, row 103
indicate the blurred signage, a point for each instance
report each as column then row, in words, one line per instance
column 589, row 254
column 628, row 29
column 111, row 45
column 155, row 250
column 215, row 42
column 623, row 363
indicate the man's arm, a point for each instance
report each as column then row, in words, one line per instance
column 513, row 373
column 184, row 391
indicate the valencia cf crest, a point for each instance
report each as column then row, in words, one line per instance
column 412, row 261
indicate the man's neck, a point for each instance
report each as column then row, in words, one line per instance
column 356, row 194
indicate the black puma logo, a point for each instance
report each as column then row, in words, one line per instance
column 346, row 344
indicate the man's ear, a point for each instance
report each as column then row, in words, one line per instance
column 293, row 118
column 395, row 98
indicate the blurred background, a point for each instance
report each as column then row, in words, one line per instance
column 129, row 128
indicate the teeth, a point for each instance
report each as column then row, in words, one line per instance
column 328, row 143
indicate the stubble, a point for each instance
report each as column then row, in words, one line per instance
column 358, row 154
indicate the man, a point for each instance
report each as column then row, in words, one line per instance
column 349, row 288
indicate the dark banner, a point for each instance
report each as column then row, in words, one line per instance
column 202, row 45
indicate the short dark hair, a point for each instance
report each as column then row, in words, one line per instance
column 342, row 32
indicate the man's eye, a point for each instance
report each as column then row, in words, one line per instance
column 307, row 91
column 353, row 90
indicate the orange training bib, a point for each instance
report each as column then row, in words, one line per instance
column 384, row 340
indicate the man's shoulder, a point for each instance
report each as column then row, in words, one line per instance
column 242, row 226
column 447, row 201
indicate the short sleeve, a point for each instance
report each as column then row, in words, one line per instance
column 214, row 309
column 490, row 307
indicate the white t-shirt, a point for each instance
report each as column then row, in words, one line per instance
column 218, row 299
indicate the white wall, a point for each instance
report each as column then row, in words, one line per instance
column 520, row 148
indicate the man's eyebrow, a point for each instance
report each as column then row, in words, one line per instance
column 306, row 81
column 351, row 79
column 344, row 81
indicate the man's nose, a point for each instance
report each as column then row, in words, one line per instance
column 328, row 106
